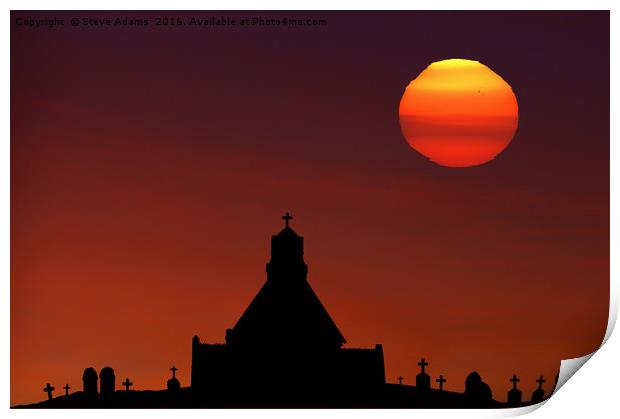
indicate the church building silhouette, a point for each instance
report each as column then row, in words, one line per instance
column 285, row 347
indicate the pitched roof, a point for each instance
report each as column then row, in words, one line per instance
column 286, row 310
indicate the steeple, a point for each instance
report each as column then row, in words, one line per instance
column 286, row 312
column 287, row 254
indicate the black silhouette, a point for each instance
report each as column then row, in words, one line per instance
column 90, row 378
column 48, row 389
column 514, row 394
column 285, row 330
column 107, row 382
column 423, row 380
column 441, row 380
column 476, row 390
column 127, row 384
column 539, row 393
column 287, row 217
column 173, row 384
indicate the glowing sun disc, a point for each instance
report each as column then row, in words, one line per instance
column 459, row 113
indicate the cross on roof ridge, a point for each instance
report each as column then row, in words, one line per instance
column 287, row 217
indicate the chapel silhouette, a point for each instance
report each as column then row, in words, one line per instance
column 285, row 346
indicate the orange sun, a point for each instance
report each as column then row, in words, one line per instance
column 459, row 113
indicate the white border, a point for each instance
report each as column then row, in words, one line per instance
column 594, row 393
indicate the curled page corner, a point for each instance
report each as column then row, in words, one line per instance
column 568, row 367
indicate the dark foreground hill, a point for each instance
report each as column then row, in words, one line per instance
column 389, row 396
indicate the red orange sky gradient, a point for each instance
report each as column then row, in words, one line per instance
column 150, row 167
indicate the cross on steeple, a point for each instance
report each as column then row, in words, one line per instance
column 441, row 380
column 287, row 217
column 127, row 383
column 423, row 364
column 514, row 380
column 66, row 387
column 174, row 370
column 540, row 382
column 400, row 380
column 48, row 389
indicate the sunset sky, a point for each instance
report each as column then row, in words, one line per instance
column 150, row 166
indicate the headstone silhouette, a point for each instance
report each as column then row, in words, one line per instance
column 423, row 380
column 127, row 384
column 477, row 390
column 173, row 384
column 66, row 387
column 107, row 385
column 514, row 394
column 48, row 389
column 90, row 378
column 539, row 393
column 400, row 380
column 441, row 380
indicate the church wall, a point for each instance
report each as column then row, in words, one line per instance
column 218, row 369
column 365, row 367
column 210, row 367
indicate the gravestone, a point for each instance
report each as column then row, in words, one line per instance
column 173, row 384
column 48, row 389
column 477, row 390
column 107, row 385
column 441, row 381
column 127, row 384
column 514, row 394
column 423, row 380
column 90, row 378
column 539, row 393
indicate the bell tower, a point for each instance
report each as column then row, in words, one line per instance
column 287, row 255
column 286, row 313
